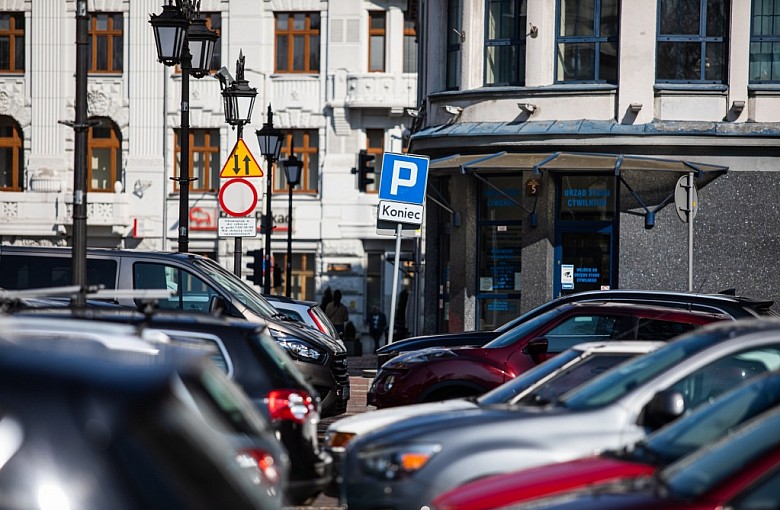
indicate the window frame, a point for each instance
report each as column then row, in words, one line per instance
column 16, row 37
column 15, row 144
column 113, row 144
column 516, row 40
column 454, row 45
column 762, row 39
column 208, row 150
column 702, row 39
column 380, row 33
column 410, row 44
column 109, row 34
column 290, row 33
column 596, row 40
column 306, row 148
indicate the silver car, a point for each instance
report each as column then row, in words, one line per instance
column 406, row 464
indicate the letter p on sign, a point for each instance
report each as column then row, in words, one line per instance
column 404, row 178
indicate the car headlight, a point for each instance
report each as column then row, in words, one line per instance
column 398, row 461
column 421, row 356
column 297, row 348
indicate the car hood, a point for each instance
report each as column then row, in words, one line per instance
column 443, row 339
column 543, row 481
column 372, row 420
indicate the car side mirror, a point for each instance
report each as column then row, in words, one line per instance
column 537, row 349
column 665, row 407
column 217, row 305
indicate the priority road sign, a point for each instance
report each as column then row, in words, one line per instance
column 404, row 178
column 240, row 163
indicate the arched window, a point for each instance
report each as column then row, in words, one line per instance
column 105, row 156
column 11, row 161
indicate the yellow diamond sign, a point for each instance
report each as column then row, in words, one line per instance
column 240, row 163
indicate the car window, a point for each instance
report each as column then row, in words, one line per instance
column 291, row 313
column 190, row 292
column 211, row 344
column 658, row 329
column 586, row 328
column 236, row 288
column 761, row 496
column 33, row 272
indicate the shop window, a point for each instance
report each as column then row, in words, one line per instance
column 12, row 42
column 587, row 46
column 505, row 42
column 105, row 156
column 692, row 37
column 765, row 42
column 106, row 43
column 297, row 42
column 586, row 198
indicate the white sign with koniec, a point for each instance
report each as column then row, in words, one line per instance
column 400, row 212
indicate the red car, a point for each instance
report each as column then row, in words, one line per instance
column 740, row 471
column 682, row 437
column 440, row 373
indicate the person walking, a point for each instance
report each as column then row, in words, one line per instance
column 377, row 326
column 337, row 313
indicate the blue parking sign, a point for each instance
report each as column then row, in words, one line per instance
column 404, row 178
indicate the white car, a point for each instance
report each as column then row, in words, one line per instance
column 542, row 383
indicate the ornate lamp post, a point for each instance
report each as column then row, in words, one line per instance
column 270, row 140
column 239, row 100
column 292, row 170
column 183, row 39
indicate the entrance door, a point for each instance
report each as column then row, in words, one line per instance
column 585, row 233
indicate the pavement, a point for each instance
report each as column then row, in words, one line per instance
column 360, row 374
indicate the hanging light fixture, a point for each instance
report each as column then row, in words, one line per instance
column 170, row 30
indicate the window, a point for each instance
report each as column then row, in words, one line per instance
column 191, row 293
column 105, row 43
column 373, row 280
column 765, row 42
column 692, row 38
column 12, row 42
column 11, row 161
column 410, row 44
column 297, row 42
column 214, row 23
column 105, row 156
column 306, row 143
column 454, row 41
column 375, row 145
column 587, row 41
column 302, row 272
column 204, row 160
column 505, row 42
column 376, row 41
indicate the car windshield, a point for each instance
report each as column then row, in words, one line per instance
column 510, row 389
column 237, row 288
column 521, row 330
column 711, row 422
column 701, row 472
column 632, row 374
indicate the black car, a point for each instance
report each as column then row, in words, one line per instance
column 726, row 302
column 264, row 371
column 91, row 427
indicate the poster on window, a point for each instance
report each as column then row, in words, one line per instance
column 567, row 276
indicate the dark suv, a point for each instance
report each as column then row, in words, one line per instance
column 196, row 284
column 726, row 302
column 248, row 355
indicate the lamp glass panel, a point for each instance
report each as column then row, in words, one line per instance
column 244, row 107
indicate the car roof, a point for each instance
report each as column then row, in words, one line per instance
column 646, row 309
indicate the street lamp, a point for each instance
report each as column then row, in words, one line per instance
column 270, row 140
column 292, row 170
column 182, row 38
column 239, row 100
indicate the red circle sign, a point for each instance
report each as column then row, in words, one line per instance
column 238, row 200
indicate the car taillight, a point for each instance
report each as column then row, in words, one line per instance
column 261, row 461
column 290, row 405
column 319, row 323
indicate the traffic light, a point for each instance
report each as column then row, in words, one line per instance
column 365, row 169
column 255, row 266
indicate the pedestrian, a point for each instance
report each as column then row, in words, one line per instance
column 337, row 313
column 377, row 326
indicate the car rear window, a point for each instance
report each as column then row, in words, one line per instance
column 19, row 272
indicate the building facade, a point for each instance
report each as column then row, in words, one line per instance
column 563, row 134
column 338, row 76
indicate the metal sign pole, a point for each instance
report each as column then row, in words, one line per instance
column 393, row 297
column 690, row 230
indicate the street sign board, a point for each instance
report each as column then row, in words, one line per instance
column 240, row 163
column 237, row 197
column 238, row 227
column 404, row 178
column 681, row 199
column 400, row 212
column 390, row 228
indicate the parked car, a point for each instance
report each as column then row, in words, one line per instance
column 740, row 471
column 439, row 373
column 540, row 384
column 249, row 356
column 90, row 427
column 307, row 312
column 670, row 443
column 408, row 463
column 197, row 284
column 726, row 302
